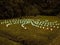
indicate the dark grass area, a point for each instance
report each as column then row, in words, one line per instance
column 30, row 36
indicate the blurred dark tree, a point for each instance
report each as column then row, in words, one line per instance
column 46, row 7
column 10, row 8
column 19, row 8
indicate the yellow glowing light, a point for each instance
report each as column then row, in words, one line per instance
column 40, row 27
column 7, row 25
column 57, row 26
column 43, row 27
column 51, row 29
column 47, row 28
column 54, row 26
column 25, row 28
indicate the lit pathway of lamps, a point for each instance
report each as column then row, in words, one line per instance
column 37, row 23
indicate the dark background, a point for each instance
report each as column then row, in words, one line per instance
column 19, row 8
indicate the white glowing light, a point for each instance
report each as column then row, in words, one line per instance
column 57, row 26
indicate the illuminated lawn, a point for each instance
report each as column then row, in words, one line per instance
column 32, row 35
